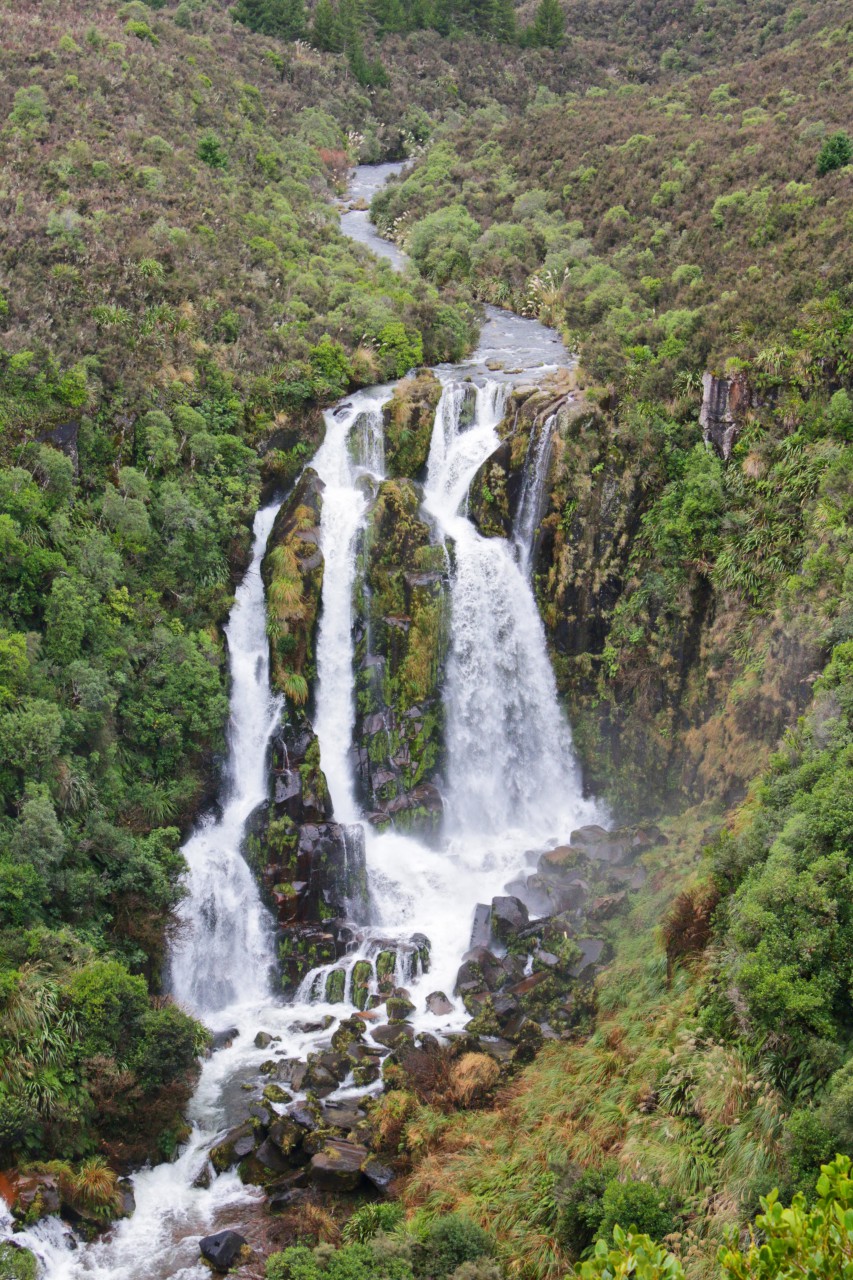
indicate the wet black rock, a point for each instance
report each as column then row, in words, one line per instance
column 223, row 1039
column 234, row 1147
column 286, row 1133
column 481, row 929
column 222, row 1250
column 398, row 1008
column 508, row 916
column 291, row 1071
column 304, row 1114
column 270, row 1158
column 389, row 1034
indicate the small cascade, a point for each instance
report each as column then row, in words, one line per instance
column 532, row 493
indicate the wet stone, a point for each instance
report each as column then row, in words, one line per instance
column 291, row 1071
column 398, row 1008
column 234, row 1147
column 287, row 1134
column 223, row 1039
column 481, row 929
column 389, row 1034
column 509, row 915
column 438, row 1004
column 379, row 1175
column 222, row 1250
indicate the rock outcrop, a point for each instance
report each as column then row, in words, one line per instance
column 401, row 644
column 724, row 402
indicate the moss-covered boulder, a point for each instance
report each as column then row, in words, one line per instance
column 409, row 416
column 17, row 1263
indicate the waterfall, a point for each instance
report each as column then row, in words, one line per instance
column 345, row 478
column 532, row 491
column 224, row 952
column 510, row 761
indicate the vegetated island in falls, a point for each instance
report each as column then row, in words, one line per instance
column 671, row 191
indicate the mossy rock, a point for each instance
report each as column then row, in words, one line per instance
column 17, row 1263
column 409, row 419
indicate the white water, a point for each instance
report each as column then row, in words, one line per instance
column 532, row 490
column 343, row 463
column 512, row 787
column 224, row 950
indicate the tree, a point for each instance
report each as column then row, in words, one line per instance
column 284, row 18
column 836, row 152
column 326, row 32
column 549, row 25
column 503, row 23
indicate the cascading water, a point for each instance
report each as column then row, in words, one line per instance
column 224, row 951
column 511, row 785
column 532, row 491
column 350, row 454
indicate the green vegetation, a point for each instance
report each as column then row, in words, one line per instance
column 451, row 1246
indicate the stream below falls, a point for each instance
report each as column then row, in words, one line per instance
column 511, row 787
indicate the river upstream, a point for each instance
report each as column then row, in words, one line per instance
column 511, row 786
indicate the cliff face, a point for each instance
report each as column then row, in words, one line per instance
column 664, row 707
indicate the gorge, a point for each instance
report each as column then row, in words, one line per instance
column 509, row 791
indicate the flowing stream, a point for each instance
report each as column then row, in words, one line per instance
column 511, row 787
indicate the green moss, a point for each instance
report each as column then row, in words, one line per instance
column 17, row 1264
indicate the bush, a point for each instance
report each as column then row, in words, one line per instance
column 835, row 153
column 581, row 1212
column 295, row 1263
column 110, row 1004
column 449, row 1242
column 212, row 152
column 637, row 1206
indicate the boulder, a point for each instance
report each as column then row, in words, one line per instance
column 591, row 950
column 36, row 1195
column 223, row 1039
column 481, row 929
column 234, row 1147
column 390, row 1033
column 291, row 1071
column 508, row 916
column 398, row 1008
column 304, row 1115
column 615, row 847
column 263, row 1039
column 222, row 1250
column 286, row 1133
column 338, row 1166
column 438, row 1003
column 379, row 1175
column 270, row 1159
